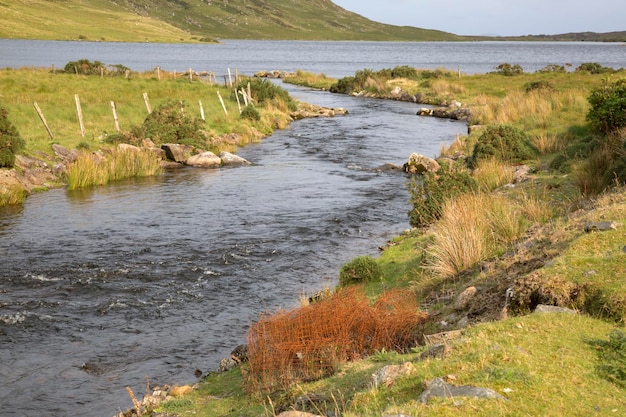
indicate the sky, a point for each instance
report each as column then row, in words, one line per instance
column 496, row 17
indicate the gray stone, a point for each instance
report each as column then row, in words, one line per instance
column 226, row 364
column 229, row 159
column 439, row 350
column 600, row 226
column 542, row 308
column 388, row 375
column 418, row 164
column 204, row 160
column 520, row 174
column 293, row 413
column 177, row 152
column 65, row 154
column 439, row 388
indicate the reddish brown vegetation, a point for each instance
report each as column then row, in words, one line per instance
column 308, row 343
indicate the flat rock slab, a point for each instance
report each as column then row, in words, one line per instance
column 439, row 388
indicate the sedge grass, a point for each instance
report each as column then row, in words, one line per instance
column 96, row 169
column 492, row 173
column 472, row 228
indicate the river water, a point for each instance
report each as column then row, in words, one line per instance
column 155, row 278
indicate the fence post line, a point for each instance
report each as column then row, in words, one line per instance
column 222, row 101
column 43, row 120
column 115, row 119
column 147, row 101
column 201, row 109
column 79, row 110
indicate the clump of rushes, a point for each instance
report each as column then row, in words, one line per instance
column 99, row 169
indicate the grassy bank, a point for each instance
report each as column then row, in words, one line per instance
column 515, row 243
column 157, row 105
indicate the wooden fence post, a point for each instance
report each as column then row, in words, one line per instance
column 222, row 101
column 43, row 120
column 158, row 69
column 230, row 79
column 201, row 109
column 117, row 123
column 147, row 101
column 250, row 94
column 79, row 111
column 190, row 75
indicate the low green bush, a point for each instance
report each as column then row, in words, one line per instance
column 360, row 270
column 509, row 70
column 170, row 123
column 593, row 68
column 10, row 140
column 608, row 107
column 506, row 143
column 430, row 191
column 251, row 113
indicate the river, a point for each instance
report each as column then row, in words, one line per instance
column 157, row 278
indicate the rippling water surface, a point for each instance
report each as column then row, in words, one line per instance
column 156, row 278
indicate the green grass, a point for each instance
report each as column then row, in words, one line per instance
column 55, row 92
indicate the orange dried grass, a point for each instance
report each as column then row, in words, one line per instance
column 309, row 342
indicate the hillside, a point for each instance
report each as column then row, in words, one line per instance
column 196, row 20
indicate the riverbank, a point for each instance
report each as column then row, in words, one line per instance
column 504, row 327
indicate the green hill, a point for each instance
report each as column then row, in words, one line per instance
column 196, row 20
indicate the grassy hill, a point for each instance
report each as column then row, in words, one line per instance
column 196, row 20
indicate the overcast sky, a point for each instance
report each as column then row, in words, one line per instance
column 496, row 17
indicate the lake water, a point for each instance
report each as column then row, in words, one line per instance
column 101, row 288
column 335, row 59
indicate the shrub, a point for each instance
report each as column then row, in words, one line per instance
column 404, row 71
column 251, row 113
column 86, row 67
column 608, row 107
column 593, row 68
column 263, row 91
column 509, row 70
column 10, row 140
column 504, row 142
column 359, row 270
column 430, row 192
column 169, row 123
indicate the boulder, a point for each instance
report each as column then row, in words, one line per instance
column 388, row 375
column 293, row 413
column 438, row 351
column 439, row 388
column 66, row 155
column 542, row 308
column 177, row 152
column 418, row 164
column 229, row 159
column 204, row 160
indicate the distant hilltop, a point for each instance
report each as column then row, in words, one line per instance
column 209, row 21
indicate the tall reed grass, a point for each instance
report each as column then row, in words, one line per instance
column 100, row 169
column 492, row 173
column 473, row 227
